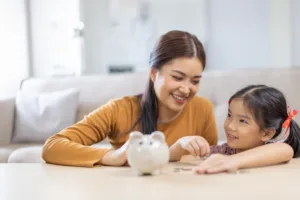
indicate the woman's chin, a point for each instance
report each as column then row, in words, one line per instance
column 176, row 108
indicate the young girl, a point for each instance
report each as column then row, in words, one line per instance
column 257, row 115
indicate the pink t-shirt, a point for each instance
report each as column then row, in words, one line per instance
column 222, row 149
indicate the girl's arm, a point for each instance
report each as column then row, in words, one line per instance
column 270, row 154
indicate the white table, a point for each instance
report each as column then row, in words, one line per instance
column 45, row 182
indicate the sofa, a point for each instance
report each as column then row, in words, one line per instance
column 20, row 144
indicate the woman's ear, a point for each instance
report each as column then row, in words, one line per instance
column 268, row 134
column 153, row 74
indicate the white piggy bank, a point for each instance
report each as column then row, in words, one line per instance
column 147, row 154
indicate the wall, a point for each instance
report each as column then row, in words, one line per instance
column 14, row 46
column 280, row 33
column 54, row 49
column 295, row 7
column 95, row 17
column 131, row 43
column 238, row 34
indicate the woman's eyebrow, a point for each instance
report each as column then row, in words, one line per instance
column 183, row 74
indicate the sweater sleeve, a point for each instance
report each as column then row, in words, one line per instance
column 210, row 128
column 72, row 147
column 222, row 149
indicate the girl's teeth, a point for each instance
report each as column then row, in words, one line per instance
column 231, row 136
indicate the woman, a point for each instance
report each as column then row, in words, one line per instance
column 168, row 104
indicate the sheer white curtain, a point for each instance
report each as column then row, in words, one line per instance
column 13, row 45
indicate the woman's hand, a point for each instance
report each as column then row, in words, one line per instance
column 115, row 157
column 195, row 145
column 217, row 163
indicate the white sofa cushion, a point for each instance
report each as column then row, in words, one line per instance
column 4, row 154
column 30, row 154
column 220, row 115
column 40, row 115
column 7, row 106
column 6, row 150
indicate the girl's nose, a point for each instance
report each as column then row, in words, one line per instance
column 231, row 126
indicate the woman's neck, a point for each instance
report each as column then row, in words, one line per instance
column 166, row 115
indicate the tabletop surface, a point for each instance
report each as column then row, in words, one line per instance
column 177, row 181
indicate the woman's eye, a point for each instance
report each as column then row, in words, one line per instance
column 177, row 78
column 196, row 82
column 228, row 115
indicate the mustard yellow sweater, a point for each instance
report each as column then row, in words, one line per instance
column 72, row 147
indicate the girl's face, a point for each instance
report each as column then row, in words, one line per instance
column 241, row 129
column 176, row 83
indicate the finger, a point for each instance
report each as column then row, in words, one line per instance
column 216, row 169
column 202, row 146
column 201, row 169
column 208, row 150
column 191, row 150
column 209, row 164
column 196, row 147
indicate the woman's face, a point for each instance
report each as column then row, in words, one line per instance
column 177, row 82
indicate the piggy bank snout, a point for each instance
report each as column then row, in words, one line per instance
column 147, row 145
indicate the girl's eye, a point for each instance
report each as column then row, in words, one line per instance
column 228, row 115
column 177, row 78
column 243, row 121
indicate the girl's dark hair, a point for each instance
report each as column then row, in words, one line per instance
column 173, row 44
column 269, row 108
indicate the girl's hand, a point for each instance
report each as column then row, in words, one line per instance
column 217, row 163
column 195, row 145
column 116, row 157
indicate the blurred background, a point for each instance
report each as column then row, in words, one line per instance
column 44, row 38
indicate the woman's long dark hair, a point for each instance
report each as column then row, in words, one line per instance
column 173, row 44
column 269, row 109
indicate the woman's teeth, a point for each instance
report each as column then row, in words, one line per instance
column 179, row 98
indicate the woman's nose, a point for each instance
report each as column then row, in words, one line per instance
column 185, row 88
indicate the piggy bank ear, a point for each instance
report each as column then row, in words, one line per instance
column 159, row 136
column 134, row 136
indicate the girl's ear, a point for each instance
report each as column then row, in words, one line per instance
column 153, row 74
column 268, row 134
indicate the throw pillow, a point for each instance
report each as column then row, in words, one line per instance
column 41, row 115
